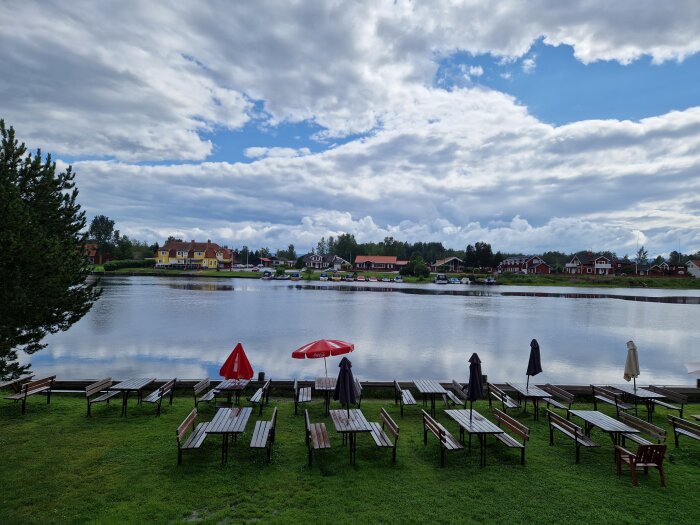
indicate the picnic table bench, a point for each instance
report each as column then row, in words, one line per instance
column 455, row 395
column 684, row 427
column 570, row 430
column 301, row 395
column 498, row 394
column 379, row 432
column 659, row 434
column 197, row 435
column 560, row 398
column 262, row 395
column 358, row 392
column 646, row 456
column 16, row 384
column 675, row 397
column 471, row 422
column 447, row 441
column 202, row 392
column 156, row 397
column 402, row 396
column 39, row 386
column 609, row 396
column 515, row 426
column 99, row 389
column 264, row 434
column 316, row 436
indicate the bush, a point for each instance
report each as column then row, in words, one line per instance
column 129, row 263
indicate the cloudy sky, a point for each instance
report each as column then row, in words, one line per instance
column 532, row 125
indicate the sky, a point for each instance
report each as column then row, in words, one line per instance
column 531, row 125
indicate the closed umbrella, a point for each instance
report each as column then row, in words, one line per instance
column 323, row 348
column 475, row 389
column 345, row 385
column 534, row 366
column 693, row 368
column 237, row 365
column 632, row 363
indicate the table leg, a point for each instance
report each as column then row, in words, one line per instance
column 650, row 410
column 224, row 449
column 536, row 402
column 432, row 405
column 125, row 396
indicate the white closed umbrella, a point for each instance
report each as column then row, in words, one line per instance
column 632, row 363
column 693, row 368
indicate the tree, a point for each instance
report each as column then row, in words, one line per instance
column 641, row 256
column 346, row 246
column 416, row 267
column 322, row 247
column 43, row 268
column 102, row 232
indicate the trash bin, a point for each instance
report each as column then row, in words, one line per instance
column 261, row 376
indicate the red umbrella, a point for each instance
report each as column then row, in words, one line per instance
column 237, row 365
column 323, row 348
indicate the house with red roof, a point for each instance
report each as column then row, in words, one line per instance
column 524, row 264
column 448, row 265
column 589, row 264
column 693, row 267
column 379, row 263
column 193, row 255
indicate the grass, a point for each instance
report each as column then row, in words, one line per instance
column 58, row 466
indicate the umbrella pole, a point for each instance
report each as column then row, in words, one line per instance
column 325, row 364
column 527, row 384
column 634, row 380
column 471, row 410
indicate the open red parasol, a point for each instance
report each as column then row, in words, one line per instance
column 323, row 348
column 237, row 365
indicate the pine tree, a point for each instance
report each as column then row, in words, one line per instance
column 43, row 267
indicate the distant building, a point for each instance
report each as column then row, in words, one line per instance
column 322, row 262
column 524, row 264
column 694, row 267
column 589, row 264
column 379, row 263
column 94, row 256
column 449, row 265
column 624, row 265
column 193, row 256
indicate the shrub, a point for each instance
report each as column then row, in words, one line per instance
column 129, row 263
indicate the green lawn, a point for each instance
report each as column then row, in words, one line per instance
column 58, row 466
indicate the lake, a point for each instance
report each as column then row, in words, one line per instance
column 186, row 327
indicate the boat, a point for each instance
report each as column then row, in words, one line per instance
column 336, row 277
column 454, row 280
column 349, row 277
column 295, row 276
column 386, row 280
column 324, row 277
column 267, row 275
column 372, row 279
column 465, row 280
column 441, row 278
column 360, row 278
column 282, row 277
column 490, row 280
column 398, row 279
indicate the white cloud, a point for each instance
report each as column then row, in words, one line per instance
column 529, row 64
column 260, row 152
column 476, row 71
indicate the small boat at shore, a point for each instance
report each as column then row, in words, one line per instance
column 323, row 277
column 295, row 276
column 441, row 278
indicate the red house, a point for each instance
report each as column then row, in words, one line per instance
column 524, row 264
column 589, row 264
column 379, row 263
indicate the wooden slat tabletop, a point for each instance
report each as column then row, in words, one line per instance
column 350, row 421
column 229, row 421
column 428, row 386
column 325, row 383
column 233, row 384
column 529, row 391
column 478, row 424
column 639, row 393
column 603, row 421
column 136, row 383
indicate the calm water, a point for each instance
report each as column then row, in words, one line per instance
column 185, row 328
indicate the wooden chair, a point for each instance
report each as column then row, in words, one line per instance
column 646, row 456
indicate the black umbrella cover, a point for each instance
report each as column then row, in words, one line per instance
column 345, row 385
column 475, row 389
column 534, row 366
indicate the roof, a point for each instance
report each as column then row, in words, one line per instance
column 386, row 259
column 448, row 259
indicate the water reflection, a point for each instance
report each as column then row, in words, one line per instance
column 175, row 327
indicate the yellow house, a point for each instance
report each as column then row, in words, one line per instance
column 193, row 255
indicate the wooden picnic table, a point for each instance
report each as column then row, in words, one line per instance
column 229, row 421
column 136, row 384
column 611, row 426
column 478, row 425
column 325, row 385
column 530, row 392
column 16, row 384
column 640, row 394
column 429, row 387
column 350, row 422
column 233, row 386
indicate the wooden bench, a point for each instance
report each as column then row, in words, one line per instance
column 196, row 437
column 202, row 392
column 659, row 434
column 675, row 397
column 684, row 427
column 379, row 432
column 157, row 395
column 560, row 398
column 40, row 386
column 609, row 396
column 264, row 434
column 456, row 395
column 316, row 436
column 261, row 396
column 520, row 430
column 402, row 396
column 358, row 392
column 447, row 441
column 16, row 384
column 101, row 390
column 646, row 456
column 498, row 394
column 301, row 395
column 570, row 430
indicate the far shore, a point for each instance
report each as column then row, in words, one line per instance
column 574, row 281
